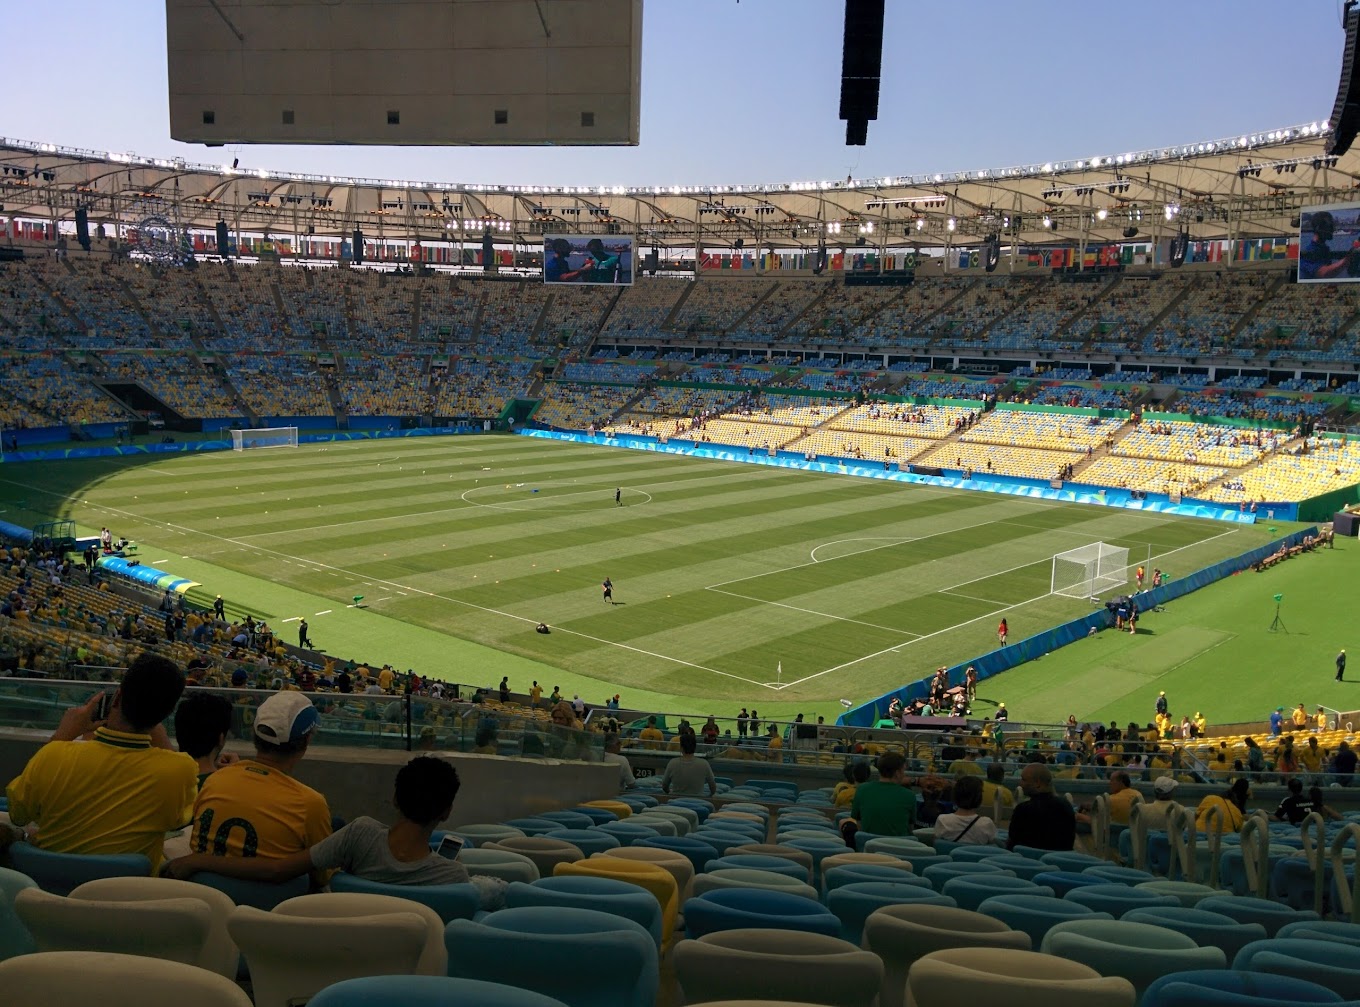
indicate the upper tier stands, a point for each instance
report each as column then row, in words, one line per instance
column 642, row 308
column 177, row 379
column 278, row 385
column 717, row 306
column 788, row 300
column 1111, row 325
column 448, row 310
column 510, row 313
column 1039, row 320
column 246, row 342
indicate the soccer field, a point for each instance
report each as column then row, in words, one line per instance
column 734, row 584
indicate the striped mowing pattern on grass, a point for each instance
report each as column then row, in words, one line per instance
column 722, row 572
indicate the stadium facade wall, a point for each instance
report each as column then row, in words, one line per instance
column 1155, row 503
column 1041, row 644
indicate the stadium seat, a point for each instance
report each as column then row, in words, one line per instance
column 1230, row 988
column 1036, row 914
column 14, row 936
column 80, row 978
column 173, row 929
column 770, row 881
column 766, row 964
column 60, row 873
column 1138, row 952
column 347, row 905
column 293, row 958
column 602, row 894
column 426, row 991
column 451, row 902
column 855, row 902
column 219, row 954
column 581, row 957
column 1206, row 929
column 744, row 909
column 1015, row 977
column 498, row 864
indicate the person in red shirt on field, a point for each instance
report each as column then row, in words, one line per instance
column 1002, row 631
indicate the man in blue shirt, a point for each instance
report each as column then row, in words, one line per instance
column 1317, row 261
column 1276, row 722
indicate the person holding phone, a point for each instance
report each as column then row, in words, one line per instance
column 395, row 855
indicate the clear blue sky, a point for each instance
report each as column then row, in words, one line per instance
column 748, row 92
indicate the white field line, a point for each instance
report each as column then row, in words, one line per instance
column 425, row 513
column 986, row 615
column 971, row 597
column 335, row 571
column 809, row 611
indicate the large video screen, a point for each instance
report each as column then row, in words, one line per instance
column 588, row 259
column 1329, row 244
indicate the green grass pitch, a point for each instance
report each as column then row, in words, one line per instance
column 735, row 584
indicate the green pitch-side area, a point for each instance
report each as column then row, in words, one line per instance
column 733, row 584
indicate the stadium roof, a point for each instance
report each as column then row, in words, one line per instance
column 1245, row 186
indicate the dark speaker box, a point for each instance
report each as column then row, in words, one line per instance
column 1345, row 118
column 83, row 227
column 357, row 253
column 223, row 239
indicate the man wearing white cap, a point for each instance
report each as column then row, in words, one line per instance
column 255, row 808
column 1154, row 812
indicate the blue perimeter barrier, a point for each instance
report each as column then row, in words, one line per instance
column 1005, row 658
column 147, row 575
column 190, row 447
column 1153, row 503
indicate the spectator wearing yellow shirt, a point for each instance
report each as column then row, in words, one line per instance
column 843, row 793
column 1300, row 718
column 1310, row 757
column 256, row 808
column 651, row 736
column 1201, row 725
column 966, row 766
column 1320, row 720
column 122, row 791
column 385, row 677
column 996, row 783
column 775, row 744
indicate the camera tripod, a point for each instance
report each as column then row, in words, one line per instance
column 1277, row 623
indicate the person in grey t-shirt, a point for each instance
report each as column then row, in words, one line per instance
column 687, row 775
column 399, row 855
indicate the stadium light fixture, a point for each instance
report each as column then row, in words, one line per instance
column 1048, row 221
column 952, row 223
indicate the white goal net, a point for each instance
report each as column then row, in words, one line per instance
column 1090, row 571
column 266, row 437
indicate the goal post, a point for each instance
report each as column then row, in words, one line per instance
column 1089, row 571
column 264, row 437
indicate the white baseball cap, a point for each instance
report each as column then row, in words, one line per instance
column 285, row 717
column 1164, row 785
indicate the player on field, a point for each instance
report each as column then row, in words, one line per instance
column 608, row 586
column 618, row 497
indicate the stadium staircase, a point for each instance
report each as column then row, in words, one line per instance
column 822, row 295
column 1127, row 427
column 279, row 304
column 668, row 322
column 604, row 315
column 136, row 304
column 924, row 323
column 736, row 324
column 416, row 298
column 1175, row 302
column 984, row 334
column 60, row 301
column 542, row 318
column 1254, row 309
column 1067, row 323
column 206, row 302
column 137, row 400
column 475, row 332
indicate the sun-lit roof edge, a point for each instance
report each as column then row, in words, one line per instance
column 1100, row 162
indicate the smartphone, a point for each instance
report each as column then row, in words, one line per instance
column 102, row 708
column 450, row 846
